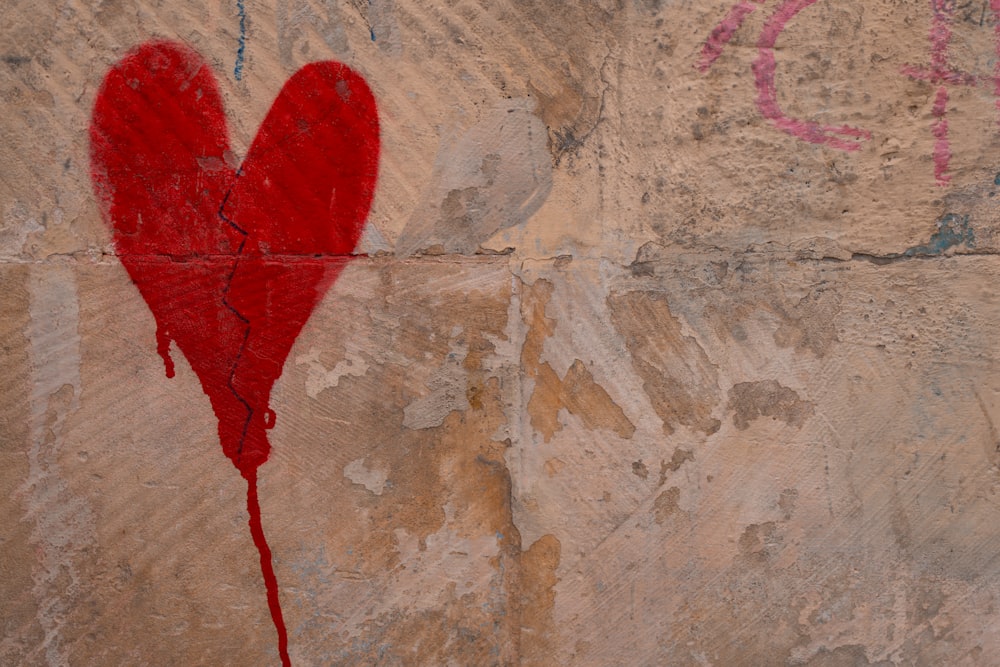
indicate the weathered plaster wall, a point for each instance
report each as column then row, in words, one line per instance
column 629, row 375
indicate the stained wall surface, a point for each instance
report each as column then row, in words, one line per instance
column 672, row 339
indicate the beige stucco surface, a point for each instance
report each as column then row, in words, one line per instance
column 626, row 375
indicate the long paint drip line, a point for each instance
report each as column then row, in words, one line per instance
column 249, row 472
column 266, row 566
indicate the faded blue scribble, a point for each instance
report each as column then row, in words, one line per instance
column 953, row 230
column 371, row 28
column 238, row 70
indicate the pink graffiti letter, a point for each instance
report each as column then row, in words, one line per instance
column 941, row 73
column 767, row 97
column 724, row 32
column 995, row 7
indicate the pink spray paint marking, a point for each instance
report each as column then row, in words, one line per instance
column 724, row 32
column 942, row 149
column 995, row 8
column 842, row 137
column 767, row 96
column 940, row 73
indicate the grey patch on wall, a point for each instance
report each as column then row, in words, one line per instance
column 384, row 28
column 63, row 524
column 447, row 393
column 372, row 241
column 295, row 17
column 18, row 225
column 496, row 176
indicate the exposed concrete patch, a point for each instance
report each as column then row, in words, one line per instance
column 677, row 459
column 539, row 633
column 373, row 480
column 373, row 241
column 787, row 502
column 581, row 396
column 767, row 398
column 757, row 542
column 495, row 177
column 321, row 378
column 678, row 377
column 425, row 480
column 743, row 289
column 576, row 391
column 666, row 504
column 534, row 300
column 449, row 391
column 809, row 323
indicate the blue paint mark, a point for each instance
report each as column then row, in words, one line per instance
column 996, row 180
column 371, row 28
column 953, row 230
column 238, row 70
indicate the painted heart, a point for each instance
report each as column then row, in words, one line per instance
column 232, row 261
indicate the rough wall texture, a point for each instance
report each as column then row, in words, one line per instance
column 673, row 341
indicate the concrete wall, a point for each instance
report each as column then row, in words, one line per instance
column 674, row 341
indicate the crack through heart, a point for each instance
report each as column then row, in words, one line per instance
column 232, row 262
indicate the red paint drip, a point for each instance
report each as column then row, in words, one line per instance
column 767, row 97
column 266, row 567
column 232, row 263
column 724, row 32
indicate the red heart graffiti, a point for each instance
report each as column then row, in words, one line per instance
column 232, row 262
